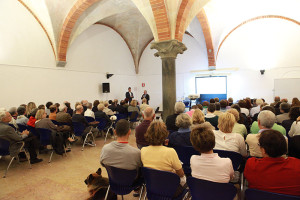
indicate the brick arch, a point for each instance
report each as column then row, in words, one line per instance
column 161, row 19
column 44, row 29
column 201, row 16
column 251, row 20
column 183, row 12
column 78, row 8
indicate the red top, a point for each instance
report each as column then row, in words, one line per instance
column 31, row 121
column 278, row 175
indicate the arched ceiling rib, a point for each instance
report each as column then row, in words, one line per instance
column 253, row 19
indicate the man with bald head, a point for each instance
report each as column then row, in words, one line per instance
column 140, row 130
column 8, row 133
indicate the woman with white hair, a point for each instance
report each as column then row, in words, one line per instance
column 225, row 139
column 182, row 136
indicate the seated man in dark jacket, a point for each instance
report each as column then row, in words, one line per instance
column 121, row 109
column 99, row 115
column 8, row 133
column 170, row 121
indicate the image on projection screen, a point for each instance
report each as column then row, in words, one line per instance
column 211, row 85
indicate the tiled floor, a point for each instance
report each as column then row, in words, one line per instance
column 63, row 178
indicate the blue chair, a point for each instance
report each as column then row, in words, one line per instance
column 236, row 160
column 55, row 122
column 185, row 153
column 11, row 125
column 4, row 151
column 121, row 116
column 89, row 119
column 208, row 190
column 33, row 131
column 79, row 130
column 235, row 157
column 121, row 181
column 102, row 123
column 253, row 194
column 161, row 185
column 45, row 139
column 22, row 127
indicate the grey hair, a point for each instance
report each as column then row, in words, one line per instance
column 267, row 118
column 179, row 107
column 183, row 121
column 12, row 110
column 148, row 112
column 2, row 114
column 100, row 106
column 62, row 108
column 89, row 105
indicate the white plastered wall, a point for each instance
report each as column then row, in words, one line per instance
column 28, row 68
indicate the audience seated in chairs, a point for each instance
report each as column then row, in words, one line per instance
column 53, row 111
column 256, row 109
column 48, row 104
column 31, row 121
column 244, row 110
column 107, row 111
column 255, row 129
column 69, row 110
column 29, row 108
column 210, row 116
column 121, row 109
column 62, row 117
column 144, row 105
column 242, row 118
column 133, row 107
column 182, row 136
column 21, row 119
column 266, row 120
column 293, row 115
column 119, row 153
column 159, row 157
column 171, row 119
column 140, row 130
column 295, row 129
column 78, row 117
column 46, row 123
column 276, row 100
column 284, row 109
column 89, row 112
column 295, row 102
column 208, row 166
column 95, row 104
column 273, row 172
column 226, row 139
column 9, row 134
column 199, row 118
column 238, row 128
column 102, row 115
column 218, row 111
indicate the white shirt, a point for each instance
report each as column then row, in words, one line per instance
column 254, row 110
column 245, row 111
column 89, row 113
column 212, row 168
column 230, row 142
column 295, row 129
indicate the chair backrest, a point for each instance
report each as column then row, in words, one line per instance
column 121, row 116
column 45, row 136
column 22, row 127
column 235, row 157
column 185, row 153
column 207, row 190
column 78, row 128
column 102, row 123
column 89, row 119
column 121, row 180
column 253, row 194
column 294, row 146
column 133, row 116
column 11, row 125
column 4, row 147
column 161, row 185
column 33, row 131
column 55, row 122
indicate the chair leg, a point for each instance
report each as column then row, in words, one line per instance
column 141, row 191
column 8, row 166
column 93, row 139
column 51, row 156
column 106, row 135
column 122, row 197
column 107, row 192
column 145, row 195
column 84, row 141
column 26, row 154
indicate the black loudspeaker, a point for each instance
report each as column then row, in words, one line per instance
column 105, row 88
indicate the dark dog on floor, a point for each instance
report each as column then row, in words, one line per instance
column 97, row 187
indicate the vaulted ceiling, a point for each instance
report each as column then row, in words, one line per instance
column 139, row 22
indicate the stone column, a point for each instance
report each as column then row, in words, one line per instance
column 168, row 51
